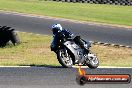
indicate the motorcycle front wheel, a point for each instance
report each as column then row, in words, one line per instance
column 64, row 58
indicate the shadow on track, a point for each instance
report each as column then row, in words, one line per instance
column 47, row 66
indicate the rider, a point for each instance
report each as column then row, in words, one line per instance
column 59, row 32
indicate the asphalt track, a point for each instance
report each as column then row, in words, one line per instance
column 89, row 31
column 55, row 77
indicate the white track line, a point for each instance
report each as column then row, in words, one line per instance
column 15, row 66
column 101, row 67
column 72, row 66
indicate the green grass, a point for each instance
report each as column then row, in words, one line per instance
column 113, row 56
column 35, row 50
column 87, row 12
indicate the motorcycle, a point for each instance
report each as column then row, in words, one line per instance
column 70, row 53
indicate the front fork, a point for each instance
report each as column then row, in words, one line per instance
column 65, row 52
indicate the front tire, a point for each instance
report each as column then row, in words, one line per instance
column 65, row 61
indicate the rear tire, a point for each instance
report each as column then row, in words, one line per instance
column 93, row 61
column 66, row 62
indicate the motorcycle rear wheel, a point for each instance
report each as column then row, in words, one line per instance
column 93, row 61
